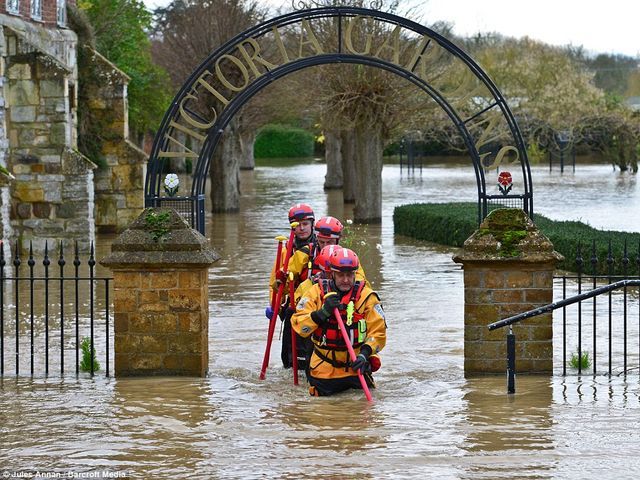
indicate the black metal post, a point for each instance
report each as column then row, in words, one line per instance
column 594, row 272
column 16, row 263
column 31, row 262
column 61, row 264
column 106, row 313
column 46, row 262
column 610, row 274
column 579, row 263
column 511, row 361
column 92, row 263
column 76, row 264
column 564, row 327
column 625, row 271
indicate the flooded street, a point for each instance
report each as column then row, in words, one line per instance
column 426, row 421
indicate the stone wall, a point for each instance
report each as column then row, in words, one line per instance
column 119, row 182
column 52, row 193
column 56, row 192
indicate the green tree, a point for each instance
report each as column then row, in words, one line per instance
column 121, row 34
column 540, row 81
column 613, row 72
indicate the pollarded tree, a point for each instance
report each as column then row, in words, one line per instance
column 615, row 134
column 362, row 105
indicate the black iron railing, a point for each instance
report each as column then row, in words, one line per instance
column 621, row 284
column 42, row 306
column 616, row 308
column 609, row 317
column 191, row 208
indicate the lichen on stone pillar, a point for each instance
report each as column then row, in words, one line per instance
column 161, row 307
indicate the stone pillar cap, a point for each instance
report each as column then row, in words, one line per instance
column 508, row 234
column 160, row 237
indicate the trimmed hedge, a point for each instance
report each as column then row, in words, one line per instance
column 281, row 141
column 452, row 223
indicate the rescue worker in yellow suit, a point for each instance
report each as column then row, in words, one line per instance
column 322, row 261
column 330, row 369
column 304, row 265
column 304, row 239
column 304, row 345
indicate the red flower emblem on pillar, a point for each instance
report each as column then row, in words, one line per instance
column 505, row 182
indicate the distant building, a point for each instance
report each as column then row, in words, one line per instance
column 53, row 194
column 633, row 103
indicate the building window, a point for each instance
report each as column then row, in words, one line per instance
column 36, row 9
column 13, row 6
column 61, row 13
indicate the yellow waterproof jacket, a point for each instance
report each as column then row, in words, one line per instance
column 302, row 289
column 297, row 263
column 300, row 259
column 368, row 304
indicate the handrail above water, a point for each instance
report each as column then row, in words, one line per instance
column 563, row 303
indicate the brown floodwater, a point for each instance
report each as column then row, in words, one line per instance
column 426, row 420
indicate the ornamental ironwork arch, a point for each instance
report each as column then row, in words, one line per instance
column 206, row 103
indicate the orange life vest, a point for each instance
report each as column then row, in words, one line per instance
column 330, row 338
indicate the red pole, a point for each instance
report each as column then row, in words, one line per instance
column 352, row 354
column 280, row 239
column 274, row 315
column 294, row 343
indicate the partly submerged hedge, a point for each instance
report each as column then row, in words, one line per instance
column 281, row 141
column 452, row 223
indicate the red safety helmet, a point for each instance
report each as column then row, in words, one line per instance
column 328, row 227
column 301, row 211
column 344, row 260
column 323, row 259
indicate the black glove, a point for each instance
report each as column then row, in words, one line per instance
column 331, row 302
column 321, row 317
column 361, row 363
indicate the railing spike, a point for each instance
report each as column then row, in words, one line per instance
column 45, row 261
column 92, row 260
column 31, row 262
column 625, row 258
column 16, row 258
column 579, row 259
column 76, row 256
column 61, row 260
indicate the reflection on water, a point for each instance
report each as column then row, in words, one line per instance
column 506, row 427
column 426, row 420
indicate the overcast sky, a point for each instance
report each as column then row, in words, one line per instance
column 610, row 26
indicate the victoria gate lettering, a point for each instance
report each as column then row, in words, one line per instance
column 230, row 73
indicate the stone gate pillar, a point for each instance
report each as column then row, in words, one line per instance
column 508, row 269
column 161, row 307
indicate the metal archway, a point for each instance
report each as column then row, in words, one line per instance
column 208, row 100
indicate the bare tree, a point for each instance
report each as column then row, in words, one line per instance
column 187, row 32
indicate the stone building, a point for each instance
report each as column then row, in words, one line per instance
column 49, row 190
